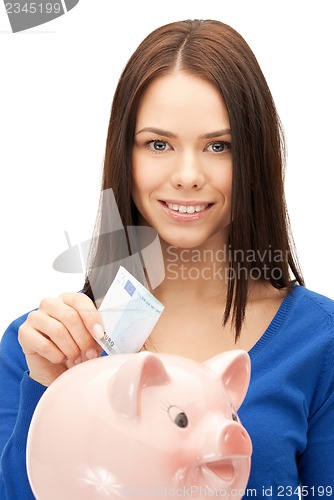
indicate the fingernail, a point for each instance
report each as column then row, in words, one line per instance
column 91, row 354
column 98, row 331
column 78, row 360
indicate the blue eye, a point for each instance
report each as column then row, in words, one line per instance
column 219, row 147
column 157, row 145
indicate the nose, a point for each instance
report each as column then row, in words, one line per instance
column 234, row 440
column 188, row 173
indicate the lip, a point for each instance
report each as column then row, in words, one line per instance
column 187, row 203
column 185, row 217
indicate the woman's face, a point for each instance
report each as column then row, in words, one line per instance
column 181, row 161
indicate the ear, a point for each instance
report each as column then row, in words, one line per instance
column 141, row 370
column 233, row 367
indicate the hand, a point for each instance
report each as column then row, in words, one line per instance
column 59, row 335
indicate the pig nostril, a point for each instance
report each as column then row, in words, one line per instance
column 234, row 440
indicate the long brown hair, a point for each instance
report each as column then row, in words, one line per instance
column 216, row 52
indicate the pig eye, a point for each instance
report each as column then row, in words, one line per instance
column 178, row 416
column 181, row 420
column 234, row 414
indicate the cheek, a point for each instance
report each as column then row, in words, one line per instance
column 223, row 183
column 141, row 185
column 140, row 179
column 145, row 179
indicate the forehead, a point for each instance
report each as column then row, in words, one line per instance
column 179, row 99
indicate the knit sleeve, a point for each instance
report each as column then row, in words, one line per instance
column 19, row 396
column 316, row 464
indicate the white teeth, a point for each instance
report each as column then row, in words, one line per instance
column 190, row 209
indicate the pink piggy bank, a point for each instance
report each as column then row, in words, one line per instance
column 136, row 425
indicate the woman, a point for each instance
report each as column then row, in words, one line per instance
column 195, row 150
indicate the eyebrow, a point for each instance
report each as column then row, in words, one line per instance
column 217, row 133
column 166, row 133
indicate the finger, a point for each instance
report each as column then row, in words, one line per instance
column 87, row 311
column 68, row 309
column 61, row 310
column 57, row 332
column 33, row 342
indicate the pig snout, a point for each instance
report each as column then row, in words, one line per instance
column 228, row 462
column 225, row 440
column 234, row 441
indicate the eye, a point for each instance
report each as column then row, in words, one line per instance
column 219, row 147
column 157, row 145
column 178, row 416
column 234, row 415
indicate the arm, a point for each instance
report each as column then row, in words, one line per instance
column 34, row 351
column 316, row 463
column 19, row 395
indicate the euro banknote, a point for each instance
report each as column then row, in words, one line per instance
column 129, row 313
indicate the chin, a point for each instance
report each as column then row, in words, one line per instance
column 189, row 237
column 192, row 242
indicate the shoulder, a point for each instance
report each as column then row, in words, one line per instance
column 302, row 330
column 312, row 306
column 320, row 300
column 308, row 330
column 314, row 315
column 14, row 326
column 298, row 347
column 10, row 348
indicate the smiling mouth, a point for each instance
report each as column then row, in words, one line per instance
column 187, row 209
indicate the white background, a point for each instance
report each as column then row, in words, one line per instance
column 56, row 87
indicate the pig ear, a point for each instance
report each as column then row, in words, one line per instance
column 233, row 367
column 141, row 370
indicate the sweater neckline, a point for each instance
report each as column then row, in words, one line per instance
column 278, row 319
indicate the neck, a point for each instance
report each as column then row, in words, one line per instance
column 195, row 272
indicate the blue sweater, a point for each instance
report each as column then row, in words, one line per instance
column 288, row 410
